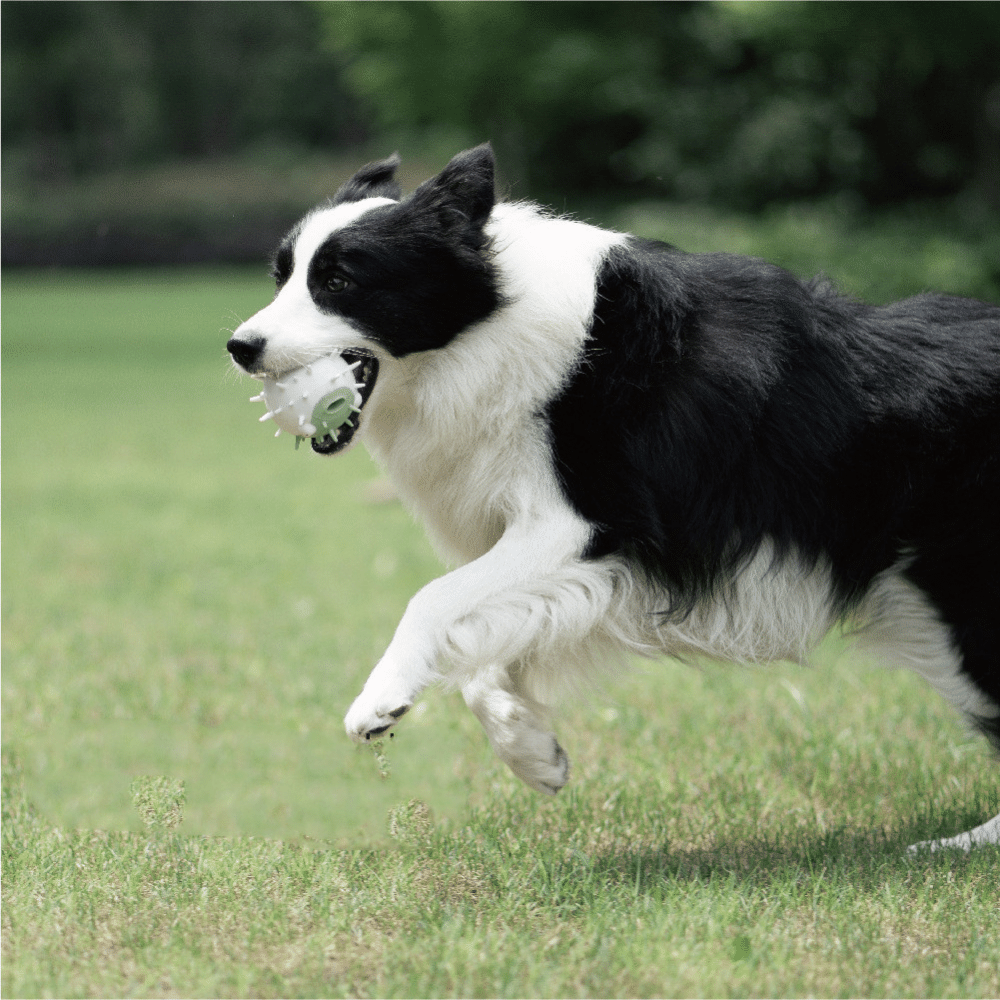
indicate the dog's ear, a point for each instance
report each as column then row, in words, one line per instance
column 377, row 180
column 464, row 189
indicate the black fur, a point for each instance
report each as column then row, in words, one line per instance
column 377, row 180
column 722, row 402
column 413, row 275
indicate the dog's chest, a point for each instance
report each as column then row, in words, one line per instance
column 457, row 486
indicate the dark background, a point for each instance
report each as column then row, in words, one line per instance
column 198, row 131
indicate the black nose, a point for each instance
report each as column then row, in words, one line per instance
column 246, row 353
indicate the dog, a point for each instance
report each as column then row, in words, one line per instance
column 630, row 449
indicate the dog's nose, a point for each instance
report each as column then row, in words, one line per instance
column 246, row 351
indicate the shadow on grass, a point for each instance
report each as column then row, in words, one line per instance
column 865, row 857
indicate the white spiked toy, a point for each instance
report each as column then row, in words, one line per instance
column 319, row 400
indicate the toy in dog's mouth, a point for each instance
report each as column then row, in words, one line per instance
column 365, row 369
column 322, row 400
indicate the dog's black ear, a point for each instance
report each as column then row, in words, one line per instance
column 377, row 180
column 464, row 187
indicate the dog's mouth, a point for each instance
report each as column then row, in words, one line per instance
column 365, row 376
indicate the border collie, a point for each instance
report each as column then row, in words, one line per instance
column 626, row 448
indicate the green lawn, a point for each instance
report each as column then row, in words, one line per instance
column 183, row 593
column 185, row 596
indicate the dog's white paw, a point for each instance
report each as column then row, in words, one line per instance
column 519, row 735
column 544, row 765
column 389, row 693
column 366, row 721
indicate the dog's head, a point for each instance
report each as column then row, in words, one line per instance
column 376, row 278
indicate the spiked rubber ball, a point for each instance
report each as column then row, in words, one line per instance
column 316, row 401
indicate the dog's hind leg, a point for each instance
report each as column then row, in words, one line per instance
column 987, row 833
column 953, row 652
column 517, row 729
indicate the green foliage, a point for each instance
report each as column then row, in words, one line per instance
column 100, row 86
column 736, row 103
column 233, row 209
column 161, row 132
column 878, row 257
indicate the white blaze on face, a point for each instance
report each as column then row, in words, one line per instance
column 294, row 330
column 321, row 224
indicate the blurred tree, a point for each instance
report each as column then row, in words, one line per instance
column 738, row 103
column 560, row 88
column 96, row 86
column 735, row 102
column 889, row 99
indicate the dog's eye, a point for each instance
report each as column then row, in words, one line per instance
column 337, row 283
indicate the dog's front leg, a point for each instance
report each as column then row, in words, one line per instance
column 485, row 612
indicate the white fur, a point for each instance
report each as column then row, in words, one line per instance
column 460, row 434
column 458, row 429
column 899, row 623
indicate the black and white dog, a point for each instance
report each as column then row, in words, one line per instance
column 631, row 449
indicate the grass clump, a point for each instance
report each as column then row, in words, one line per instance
column 159, row 802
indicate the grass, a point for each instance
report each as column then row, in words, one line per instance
column 183, row 590
column 188, row 608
